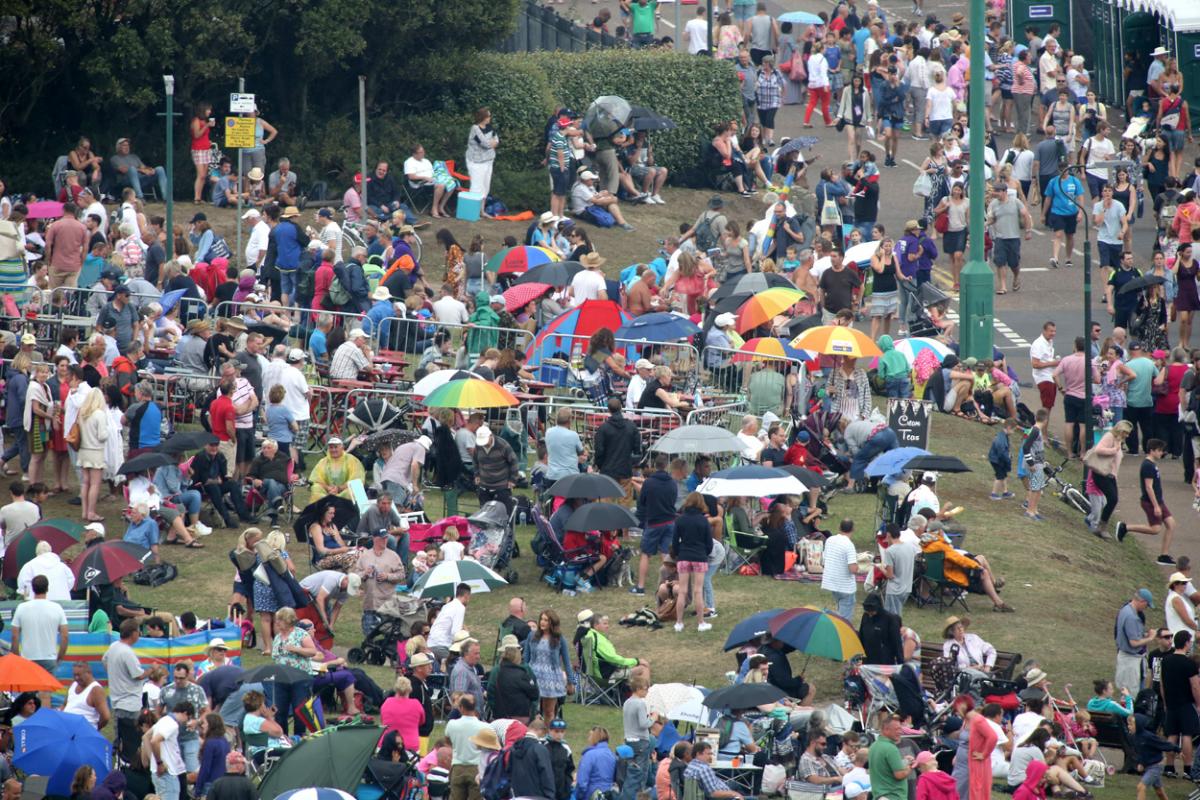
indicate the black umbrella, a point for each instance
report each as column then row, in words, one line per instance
column 144, row 463
column 554, row 273
column 186, row 441
column 751, row 283
column 345, row 517
column 800, row 324
column 1144, row 282
column 280, row 674
column 393, row 437
column 601, row 517
column 935, row 463
column 744, row 695
column 810, row 479
column 645, row 119
column 276, row 335
column 374, row 415
column 221, row 682
column 586, row 486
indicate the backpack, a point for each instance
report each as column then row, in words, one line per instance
column 706, row 233
column 598, row 216
column 496, row 783
column 337, row 294
column 155, row 575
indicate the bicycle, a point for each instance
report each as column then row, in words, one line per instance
column 1065, row 491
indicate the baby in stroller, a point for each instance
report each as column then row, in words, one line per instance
column 927, row 308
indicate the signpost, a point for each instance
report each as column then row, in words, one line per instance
column 239, row 132
column 910, row 419
column 241, row 103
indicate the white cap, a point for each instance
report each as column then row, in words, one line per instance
column 332, row 440
column 353, row 583
column 483, row 435
column 496, row 298
column 587, row 175
column 296, row 354
column 930, row 476
column 253, row 213
column 724, row 320
column 95, row 527
column 425, row 442
column 381, row 293
column 643, row 363
column 358, row 333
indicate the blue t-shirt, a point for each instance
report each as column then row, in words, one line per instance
column 144, row 533
column 563, row 446
column 859, row 38
column 1064, row 193
column 833, row 57
column 1138, row 394
column 150, row 429
column 278, row 421
column 316, row 343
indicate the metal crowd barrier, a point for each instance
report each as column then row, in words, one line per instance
column 725, row 415
column 412, row 336
column 738, row 378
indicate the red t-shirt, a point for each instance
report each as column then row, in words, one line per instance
column 220, row 415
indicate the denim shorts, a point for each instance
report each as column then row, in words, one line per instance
column 657, row 538
column 287, row 282
column 940, row 127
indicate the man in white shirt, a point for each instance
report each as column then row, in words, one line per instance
column 1049, row 71
column 91, row 205
column 841, row 565
column 329, row 233
column 637, row 382
column 589, row 283
column 418, row 171
column 296, row 396
column 256, row 246
column 449, row 622
column 20, row 513
column 39, row 631
column 917, row 75
column 696, row 32
column 166, row 759
column 916, row 526
column 46, row 563
column 449, row 309
column 925, row 497
column 1043, row 361
column 584, row 194
column 752, row 446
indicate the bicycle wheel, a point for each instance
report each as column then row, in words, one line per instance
column 1076, row 500
column 416, row 247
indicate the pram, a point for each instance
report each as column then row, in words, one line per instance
column 492, row 539
column 560, row 568
column 920, row 299
column 396, row 618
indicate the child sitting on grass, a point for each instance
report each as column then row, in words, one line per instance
column 1000, row 457
column 1033, row 452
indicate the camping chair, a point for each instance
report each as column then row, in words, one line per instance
column 57, row 174
column 692, row 790
column 501, row 632
column 742, row 547
column 262, row 757
column 944, row 591
column 418, row 198
column 594, row 690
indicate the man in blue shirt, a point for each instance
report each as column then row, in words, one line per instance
column 890, row 100
column 142, row 530
column 564, row 448
column 289, row 241
column 144, row 419
column 317, row 341
column 382, row 309
column 1063, row 194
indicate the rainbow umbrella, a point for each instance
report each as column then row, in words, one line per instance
column 912, row 346
column 765, row 306
column 815, row 632
column 470, row 393
column 836, row 340
column 569, row 331
column 767, row 348
column 515, row 260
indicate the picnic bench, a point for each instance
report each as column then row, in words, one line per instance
column 1006, row 664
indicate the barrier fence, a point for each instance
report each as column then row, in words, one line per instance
column 768, row 383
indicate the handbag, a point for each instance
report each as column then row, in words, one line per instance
column 260, row 575
column 1101, row 465
column 830, row 214
column 923, row 185
column 74, row 435
column 941, row 223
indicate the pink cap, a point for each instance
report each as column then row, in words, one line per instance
column 923, row 757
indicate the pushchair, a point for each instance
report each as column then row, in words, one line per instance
column 560, row 568
column 396, row 617
column 918, row 320
column 492, row 539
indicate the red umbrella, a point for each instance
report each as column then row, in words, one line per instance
column 24, row 545
column 106, row 562
column 45, row 209
column 518, row 296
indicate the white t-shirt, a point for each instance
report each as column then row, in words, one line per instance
column 1042, row 350
column 422, row 168
column 696, row 32
column 452, row 551
column 448, row 622
column 924, row 497
column 260, row 236
column 168, row 728
column 39, row 621
column 839, row 555
column 1023, row 166
column 588, row 284
column 941, row 102
column 20, row 514
column 449, row 309
column 633, row 392
column 581, row 197
column 97, row 208
column 1099, row 149
column 295, row 386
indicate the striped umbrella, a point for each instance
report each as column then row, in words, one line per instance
column 912, row 346
column 470, row 393
column 70, row 527
column 23, row 547
column 765, row 306
column 768, row 348
column 837, row 340
column 816, row 632
column 515, row 260
column 440, row 581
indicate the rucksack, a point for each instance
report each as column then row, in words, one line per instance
column 156, row 575
column 598, row 216
column 337, row 294
column 496, row 783
column 706, row 233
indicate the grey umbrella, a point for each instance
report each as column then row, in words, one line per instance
column 698, row 439
column 607, row 115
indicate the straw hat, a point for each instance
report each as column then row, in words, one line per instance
column 591, row 261
column 1035, row 676
column 419, row 660
column 486, row 738
column 217, row 643
column 255, row 174
column 289, row 212
column 951, row 622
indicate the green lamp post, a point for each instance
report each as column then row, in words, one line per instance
column 977, row 281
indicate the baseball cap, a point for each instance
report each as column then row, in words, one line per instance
column 497, row 298
column 333, row 440
column 558, row 724
column 1135, row 345
column 253, row 213
column 425, row 442
column 198, row 216
column 353, row 584
column 28, row 338
column 295, row 354
column 325, row 212
column 1146, row 596
column 587, row 175
column 110, row 275
column 643, row 364
column 483, row 435
column 358, row 333
column 96, row 528
column 509, row 642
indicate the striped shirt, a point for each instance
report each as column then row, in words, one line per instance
column 559, row 147
column 242, row 393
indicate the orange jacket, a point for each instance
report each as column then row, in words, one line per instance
column 956, row 563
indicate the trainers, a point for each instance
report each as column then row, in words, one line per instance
column 702, row 627
column 1053, row 263
column 1008, row 496
column 1069, row 264
column 636, row 590
column 1122, row 529
column 995, row 496
column 710, row 613
column 1165, row 560
column 202, row 529
column 679, row 627
column 585, row 587
column 658, row 199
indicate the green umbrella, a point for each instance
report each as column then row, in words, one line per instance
column 333, row 757
column 441, row 580
column 23, row 548
column 68, row 526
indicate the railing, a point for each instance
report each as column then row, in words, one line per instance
column 772, row 378
column 541, row 28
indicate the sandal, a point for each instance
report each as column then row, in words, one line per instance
column 1004, row 608
column 1001, row 291
column 194, row 545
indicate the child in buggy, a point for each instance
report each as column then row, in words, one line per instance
column 492, row 539
column 396, row 617
column 926, row 306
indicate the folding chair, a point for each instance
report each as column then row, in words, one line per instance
column 418, row 198
column 742, row 546
column 262, row 757
column 501, row 632
column 945, row 592
column 594, row 690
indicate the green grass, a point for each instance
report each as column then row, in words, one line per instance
column 1065, row 584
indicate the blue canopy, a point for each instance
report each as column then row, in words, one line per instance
column 659, row 326
column 801, row 18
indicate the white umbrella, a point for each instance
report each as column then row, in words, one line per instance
column 858, row 254
column 759, row 487
column 693, row 711
column 662, row 697
column 441, row 580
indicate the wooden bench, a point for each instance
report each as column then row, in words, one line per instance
column 1006, row 664
column 1111, row 733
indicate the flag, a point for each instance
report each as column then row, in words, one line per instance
column 311, row 714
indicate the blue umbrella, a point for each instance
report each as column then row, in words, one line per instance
column 171, row 299
column 751, row 628
column 801, row 18
column 893, row 461
column 56, row 744
column 661, row 326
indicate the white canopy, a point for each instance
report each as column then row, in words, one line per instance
column 1183, row 15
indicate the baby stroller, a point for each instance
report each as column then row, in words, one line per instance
column 423, row 534
column 918, row 321
column 377, row 415
column 492, row 539
column 821, row 424
column 396, row 618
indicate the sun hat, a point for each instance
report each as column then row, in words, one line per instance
column 217, row 644
column 255, row 174
column 509, row 642
column 1159, row 51
column 1176, row 577
column 591, row 260
column 289, row 212
column 425, row 441
column 419, row 660
column 584, row 616
column 486, row 738
column 381, row 293
column 951, row 621
column 1035, row 676
column 547, row 218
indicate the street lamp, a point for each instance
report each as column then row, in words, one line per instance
column 169, row 86
column 975, row 301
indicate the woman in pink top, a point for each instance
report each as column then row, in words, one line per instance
column 403, row 714
column 1166, row 405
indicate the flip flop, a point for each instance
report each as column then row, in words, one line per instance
column 194, row 545
column 1001, row 291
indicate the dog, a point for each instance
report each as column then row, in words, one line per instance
column 620, row 569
